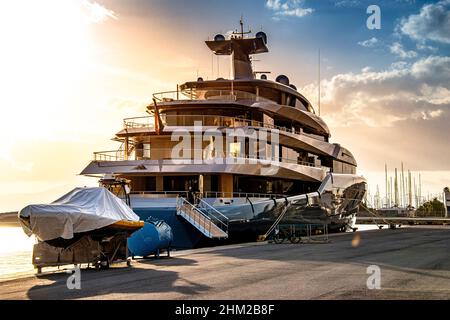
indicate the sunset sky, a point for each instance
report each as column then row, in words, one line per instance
column 70, row 71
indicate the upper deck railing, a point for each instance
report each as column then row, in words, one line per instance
column 208, row 94
column 196, row 154
column 205, row 120
column 139, row 122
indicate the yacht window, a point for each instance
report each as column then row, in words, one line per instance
column 146, row 151
column 235, row 149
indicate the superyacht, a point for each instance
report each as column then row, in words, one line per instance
column 230, row 158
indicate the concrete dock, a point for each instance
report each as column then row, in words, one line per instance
column 414, row 264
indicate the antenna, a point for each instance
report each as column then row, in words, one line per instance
column 242, row 32
column 242, row 26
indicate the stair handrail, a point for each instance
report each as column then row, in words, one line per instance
column 216, row 214
column 181, row 201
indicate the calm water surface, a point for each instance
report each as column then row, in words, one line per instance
column 15, row 252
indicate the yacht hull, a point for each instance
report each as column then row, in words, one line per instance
column 335, row 204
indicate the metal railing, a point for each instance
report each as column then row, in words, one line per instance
column 206, row 121
column 161, row 194
column 115, row 155
column 139, row 122
column 229, row 195
column 196, row 154
column 199, row 220
column 207, row 94
column 206, row 194
column 204, row 218
column 214, row 215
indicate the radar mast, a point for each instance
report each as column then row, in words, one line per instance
column 240, row 49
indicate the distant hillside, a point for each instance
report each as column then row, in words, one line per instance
column 9, row 219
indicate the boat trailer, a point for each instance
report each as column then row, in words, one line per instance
column 100, row 248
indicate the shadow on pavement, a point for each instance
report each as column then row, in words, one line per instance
column 119, row 280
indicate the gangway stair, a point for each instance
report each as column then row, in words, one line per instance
column 204, row 217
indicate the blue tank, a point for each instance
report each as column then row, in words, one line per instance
column 154, row 236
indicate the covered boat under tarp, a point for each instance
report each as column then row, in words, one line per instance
column 79, row 211
column 85, row 226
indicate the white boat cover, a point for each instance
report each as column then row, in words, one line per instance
column 80, row 210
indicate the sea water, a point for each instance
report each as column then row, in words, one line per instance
column 15, row 253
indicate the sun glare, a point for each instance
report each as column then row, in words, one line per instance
column 46, row 51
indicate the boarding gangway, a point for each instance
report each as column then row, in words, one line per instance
column 204, row 217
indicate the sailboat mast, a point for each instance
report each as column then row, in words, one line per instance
column 386, row 183
column 402, row 189
column 420, row 190
column 396, row 189
column 390, row 191
column 409, row 188
column 415, row 193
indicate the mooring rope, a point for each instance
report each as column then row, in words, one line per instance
column 375, row 214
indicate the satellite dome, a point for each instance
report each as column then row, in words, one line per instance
column 282, row 79
column 199, row 79
column 293, row 87
column 220, row 79
column 219, row 37
column 263, row 36
column 263, row 77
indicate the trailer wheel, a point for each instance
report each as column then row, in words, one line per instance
column 295, row 239
column 104, row 264
column 278, row 239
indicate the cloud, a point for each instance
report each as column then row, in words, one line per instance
column 380, row 99
column 288, row 8
column 370, row 43
column 424, row 47
column 432, row 23
column 347, row 3
column 397, row 48
column 400, row 113
column 95, row 12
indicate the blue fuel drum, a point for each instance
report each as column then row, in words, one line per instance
column 156, row 235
